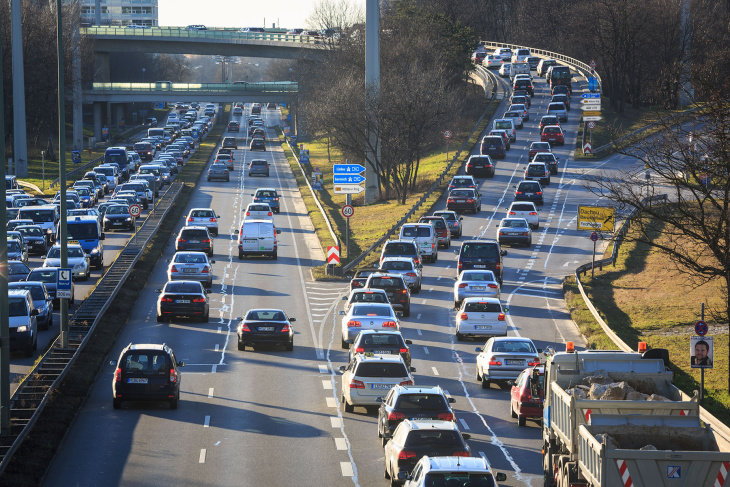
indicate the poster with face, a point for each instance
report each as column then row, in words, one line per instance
column 701, row 352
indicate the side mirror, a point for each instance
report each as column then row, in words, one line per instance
column 501, row 477
column 388, row 435
column 34, row 312
column 539, row 350
column 158, row 291
column 113, row 363
column 278, row 232
column 413, row 369
column 208, row 291
column 291, row 320
column 349, row 276
column 181, row 363
column 217, row 216
column 43, row 256
column 235, row 232
column 102, row 237
column 466, row 436
column 478, row 349
column 342, row 313
column 511, row 382
column 409, row 342
column 211, row 261
column 404, row 476
column 505, row 309
column 342, row 368
column 503, row 253
column 456, row 251
column 378, row 399
column 399, row 314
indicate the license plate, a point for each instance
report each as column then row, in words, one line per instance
column 194, row 241
column 381, row 386
column 529, row 194
column 182, row 301
column 136, row 380
column 382, row 352
column 461, row 201
column 266, row 328
column 512, row 233
column 190, row 271
column 479, row 266
column 117, row 223
column 514, row 362
column 483, row 327
column 249, row 241
column 478, row 288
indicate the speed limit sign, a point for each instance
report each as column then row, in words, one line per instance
column 447, row 134
column 348, row 211
column 591, row 125
column 135, row 210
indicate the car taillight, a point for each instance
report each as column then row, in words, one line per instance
column 118, row 375
column 166, row 300
column 182, row 240
column 270, row 214
column 411, row 274
column 512, row 213
column 205, row 270
column 406, row 454
column 407, row 383
column 206, row 240
column 357, row 384
column 395, row 416
column 276, row 199
column 501, row 317
column 390, row 324
column 533, row 213
column 244, row 327
column 285, row 329
column 463, row 285
column 459, row 266
column 198, row 300
column 518, row 192
column 402, row 291
column 470, row 200
column 494, row 361
column 417, row 261
column 403, row 350
column 463, row 316
column 359, row 350
column 446, row 416
column 213, row 220
column 173, row 375
column 191, row 219
column 539, row 192
column 353, row 323
column 534, row 361
column 450, row 200
column 461, row 454
column 493, row 286
column 248, row 213
column 174, row 269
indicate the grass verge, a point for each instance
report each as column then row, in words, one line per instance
column 35, row 454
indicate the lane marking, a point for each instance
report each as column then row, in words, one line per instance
column 206, row 423
column 201, row 458
column 340, row 444
column 210, row 392
column 219, row 329
column 216, row 347
column 463, row 424
column 347, row 470
column 423, row 301
column 435, row 372
column 327, row 385
column 425, row 350
column 419, row 331
column 331, row 402
column 336, row 422
column 215, row 369
column 323, row 369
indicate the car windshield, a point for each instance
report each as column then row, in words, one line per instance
column 202, row 213
column 265, row 315
column 436, row 222
column 369, row 297
column 462, row 193
column 185, row 258
column 522, row 207
column 480, row 250
column 483, row 307
column 38, row 216
column 73, row 252
column 30, row 231
column 503, row 125
column 397, row 265
column 36, row 291
column 446, row 216
column 534, row 169
column 383, row 282
column 183, row 287
column 47, row 276
column 513, row 223
column 434, row 438
column 145, row 363
column 544, row 158
column 18, row 268
column 117, row 210
column 432, row 402
column 381, row 369
column 217, row 167
column 266, row 194
column 371, row 311
column 259, row 208
column 510, row 346
column 83, row 231
column 259, row 163
column 529, row 187
column 13, row 246
column 477, row 276
column 194, row 233
column 462, row 182
column 414, row 232
column 399, row 249
column 17, row 307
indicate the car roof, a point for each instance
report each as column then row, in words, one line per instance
column 478, row 299
column 372, row 357
column 397, row 259
column 380, row 332
column 511, row 338
column 18, row 292
column 420, row 389
column 456, row 464
column 424, row 424
column 147, row 346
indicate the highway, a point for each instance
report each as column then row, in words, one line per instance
column 270, row 417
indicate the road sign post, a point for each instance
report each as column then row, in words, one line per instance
column 347, row 212
column 63, row 283
column 447, row 136
column 594, row 238
column 134, row 212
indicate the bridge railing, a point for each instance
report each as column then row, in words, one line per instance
column 272, row 87
column 213, row 34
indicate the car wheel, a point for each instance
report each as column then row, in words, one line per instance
column 407, row 311
column 448, row 244
column 160, row 319
column 240, row 255
column 29, row 350
column 116, row 403
column 206, row 317
column 485, row 383
column 228, row 179
column 174, row 401
column 274, row 256
column 347, row 407
column 529, row 244
column 459, row 337
column 415, row 290
column 512, row 410
column 86, row 277
column 521, row 420
column 344, row 343
column 290, row 346
column 386, row 475
column 479, row 376
column 241, row 345
column 383, row 442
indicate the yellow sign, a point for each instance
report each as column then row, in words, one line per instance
column 591, row 114
column 596, row 218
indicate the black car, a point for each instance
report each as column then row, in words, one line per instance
column 481, row 254
column 480, row 166
column 233, row 126
column 383, row 343
column 183, row 298
column 48, row 276
column 529, row 191
column 493, row 146
column 117, row 217
column 412, row 402
column 358, row 279
column 464, row 199
column 195, row 238
column 524, row 84
column 146, row 372
column 395, row 287
column 230, row 142
column 266, row 326
column 257, row 143
column 413, row 439
column 17, row 271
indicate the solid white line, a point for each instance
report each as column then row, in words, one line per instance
column 435, row 372
column 210, row 392
column 219, row 329
column 424, row 301
column 336, row 421
column 323, row 369
column 419, row 316
column 463, row 424
column 340, row 444
column 419, row 331
column 201, row 458
column 327, row 385
column 346, row 468
column 425, row 350
column 206, row 423
column 216, row 347
column 331, row 402
column 215, row 368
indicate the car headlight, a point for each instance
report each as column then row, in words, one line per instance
column 21, row 329
column 49, row 230
column 129, row 218
column 95, row 251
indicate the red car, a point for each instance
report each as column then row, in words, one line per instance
column 552, row 134
column 536, row 147
column 527, row 394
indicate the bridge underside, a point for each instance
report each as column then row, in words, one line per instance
column 94, row 96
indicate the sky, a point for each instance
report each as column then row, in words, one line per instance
column 289, row 14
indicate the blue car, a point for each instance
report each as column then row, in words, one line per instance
column 269, row 196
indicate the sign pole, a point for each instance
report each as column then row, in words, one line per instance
column 4, row 319
column 62, row 166
column 348, row 199
column 593, row 264
column 702, row 370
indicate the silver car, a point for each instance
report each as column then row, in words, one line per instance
column 480, row 317
column 367, row 316
column 504, row 358
column 369, row 377
column 191, row 266
column 203, row 217
column 475, row 283
column 404, row 266
column 78, row 260
column 453, row 221
column 365, row 296
column 258, row 211
column 526, row 210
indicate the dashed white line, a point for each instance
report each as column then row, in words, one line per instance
column 435, row 372
column 463, row 424
column 340, row 444
column 423, row 301
column 210, row 392
column 206, row 423
column 425, row 350
column 219, row 329
column 327, row 385
column 336, row 421
column 323, row 369
column 347, row 470
column 419, row 331
column 331, row 402
column 215, row 368
column 217, row 346
column 419, row 316
column 201, row 458
column 430, row 289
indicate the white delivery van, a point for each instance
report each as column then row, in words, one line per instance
column 519, row 68
column 424, row 234
column 258, row 237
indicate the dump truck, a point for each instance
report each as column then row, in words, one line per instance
column 567, row 407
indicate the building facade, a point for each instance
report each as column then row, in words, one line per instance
column 121, row 12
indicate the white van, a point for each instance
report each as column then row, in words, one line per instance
column 258, row 237
column 45, row 216
column 519, row 68
column 508, row 125
column 424, row 234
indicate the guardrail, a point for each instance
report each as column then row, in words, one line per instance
column 31, row 397
column 167, row 86
column 718, row 426
column 71, row 175
column 199, row 34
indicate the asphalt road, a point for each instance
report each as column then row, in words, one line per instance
column 270, row 417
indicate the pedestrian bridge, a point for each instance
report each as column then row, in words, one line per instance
column 166, row 91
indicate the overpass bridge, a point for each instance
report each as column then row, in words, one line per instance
column 277, row 92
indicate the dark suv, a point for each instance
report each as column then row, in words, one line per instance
column 524, row 84
column 395, row 287
column 481, row 254
column 413, row 402
column 493, row 146
column 194, row 238
column 146, row 372
column 480, row 166
column 361, row 276
column 529, row 191
column 233, row 126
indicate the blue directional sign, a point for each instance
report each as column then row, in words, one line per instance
column 348, row 169
column 63, row 283
column 347, row 179
column 590, row 95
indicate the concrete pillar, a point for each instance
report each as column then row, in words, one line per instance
column 117, row 114
column 102, row 68
column 20, row 144
column 97, row 12
column 109, row 121
column 372, row 84
column 78, row 112
column 97, row 120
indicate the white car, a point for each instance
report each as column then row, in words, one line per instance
column 492, row 61
column 504, row 358
column 505, row 70
column 526, row 210
column 369, row 377
column 367, row 316
column 258, row 211
column 365, row 296
column 475, row 283
column 480, row 317
column 504, row 53
column 78, row 260
column 203, row 217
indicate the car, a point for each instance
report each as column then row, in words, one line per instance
column 516, row 118
column 399, row 295
column 256, row 109
column 453, row 470
column 270, row 326
column 218, row 171
column 561, row 98
column 533, row 61
column 561, row 90
column 271, row 106
column 529, row 191
column 360, row 277
column 522, row 108
column 146, row 372
column 258, row 132
column 526, row 395
column 259, row 30
column 504, row 70
column 145, row 150
column 478, row 56
column 543, row 66
column 17, row 251
column 514, row 231
column 34, row 237
column 462, row 182
column 365, row 296
column 117, row 217
column 191, row 266
column 194, row 238
column 480, row 317
column 88, row 198
column 42, row 301
column 258, row 237
column 480, row 165
column 399, row 248
column 22, row 321
column 558, row 109
column 520, row 55
column 443, row 231
column 366, row 316
column 481, row 254
column 367, row 377
column 381, row 342
column 536, row 147
column 237, row 110
column 491, row 61
column 453, row 221
column 13, row 224
column 17, row 271
column 553, row 134
column 225, row 159
column 205, row 217
column 230, row 142
column 259, row 167
column 504, row 358
column 549, row 159
column 183, row 298
column 257, row 143
column 524, row 84
column 234, row 126
column 270, row 196
column 537, row 171
column 507, row 125
column 404, row 266
column 78, row 260
column 517, row 99
column 548, row 120
column 475, row 283
column 414, row 438
column 504, row 53
column 413, row 402
column 526, row 210
column 258, row 211
column 504, row 135
column 463, row 200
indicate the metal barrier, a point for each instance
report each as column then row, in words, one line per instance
column 166, row 87
column 71, row 175
column 211, row 34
